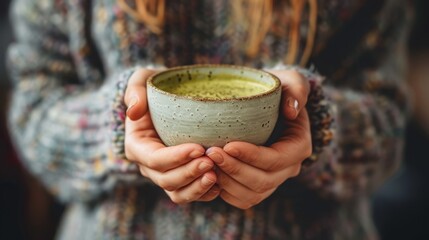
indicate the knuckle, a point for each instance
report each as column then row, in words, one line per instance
column 307, row 135
column 297, row 170
column 241, row 204
column 177, row 199
column 245, row 206
column 128, row 154
column 301, row 88
column 264, row 186
column 305, row 145
column 308, row 151
column 304, row 88
column 255, row 200
column 299, row 77
column 165, row 184
column 150, row 163
column 140, row 75
column 143, row 171
column 250, row 203
column 191, row 172
column 128, row 150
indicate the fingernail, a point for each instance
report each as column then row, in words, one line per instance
column 204, row 166
column 293, row 103
column 207, row 181
column 216, row 157
column 196, row 153
column 133, row 101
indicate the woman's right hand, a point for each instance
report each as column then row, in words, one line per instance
column 183, row 171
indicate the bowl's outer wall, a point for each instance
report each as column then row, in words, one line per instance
column 213, row 123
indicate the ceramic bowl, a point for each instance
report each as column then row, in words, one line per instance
column 213, row 121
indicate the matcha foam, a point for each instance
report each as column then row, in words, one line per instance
column 215, row 88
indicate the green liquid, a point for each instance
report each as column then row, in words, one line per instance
column 216, row 88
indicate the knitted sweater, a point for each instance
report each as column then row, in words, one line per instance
column 70, row 65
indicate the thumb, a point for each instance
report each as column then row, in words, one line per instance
column 135, row 94
column 295, row 90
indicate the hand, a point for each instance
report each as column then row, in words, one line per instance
column 183, row 171
column 247, row 174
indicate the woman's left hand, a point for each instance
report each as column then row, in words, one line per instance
column 248, row 174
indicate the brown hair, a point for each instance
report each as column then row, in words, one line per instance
column 258, row 13
column 150, row 12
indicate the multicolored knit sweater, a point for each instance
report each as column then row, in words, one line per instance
column 70, row 65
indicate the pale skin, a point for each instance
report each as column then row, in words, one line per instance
column 244, row 175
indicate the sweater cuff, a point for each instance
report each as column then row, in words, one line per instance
column 318, row 111
column 319, row 115
column 118, row 117
column 117, row 123
column 118, row 114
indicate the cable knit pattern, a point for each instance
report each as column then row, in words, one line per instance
column 70, row 66
column 118, row 116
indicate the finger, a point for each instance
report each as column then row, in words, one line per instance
column 152, row 153
column 240, row 196
column 211, row 194
column 266, row 158
column 295, row 90
column 294, row 146
column 239, row 202
column 142, row 127
column 278, row 156
column 135, row 95
column 194, row 190
column 232, row 200
column 295, row 141
column 238, row 190
column 244, row 175
column 177, row 178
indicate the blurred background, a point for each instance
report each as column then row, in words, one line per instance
column 27, row 211
column 401, row 206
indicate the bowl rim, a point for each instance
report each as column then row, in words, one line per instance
column 277, row 84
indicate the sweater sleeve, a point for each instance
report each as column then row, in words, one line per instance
column 358, row 122
column 65, row 130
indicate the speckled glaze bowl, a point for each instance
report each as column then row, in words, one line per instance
column 213, row 122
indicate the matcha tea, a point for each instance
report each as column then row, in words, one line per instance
column 216, row 88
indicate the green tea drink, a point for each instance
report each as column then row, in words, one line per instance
column 221, row 87
column 213, row 105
